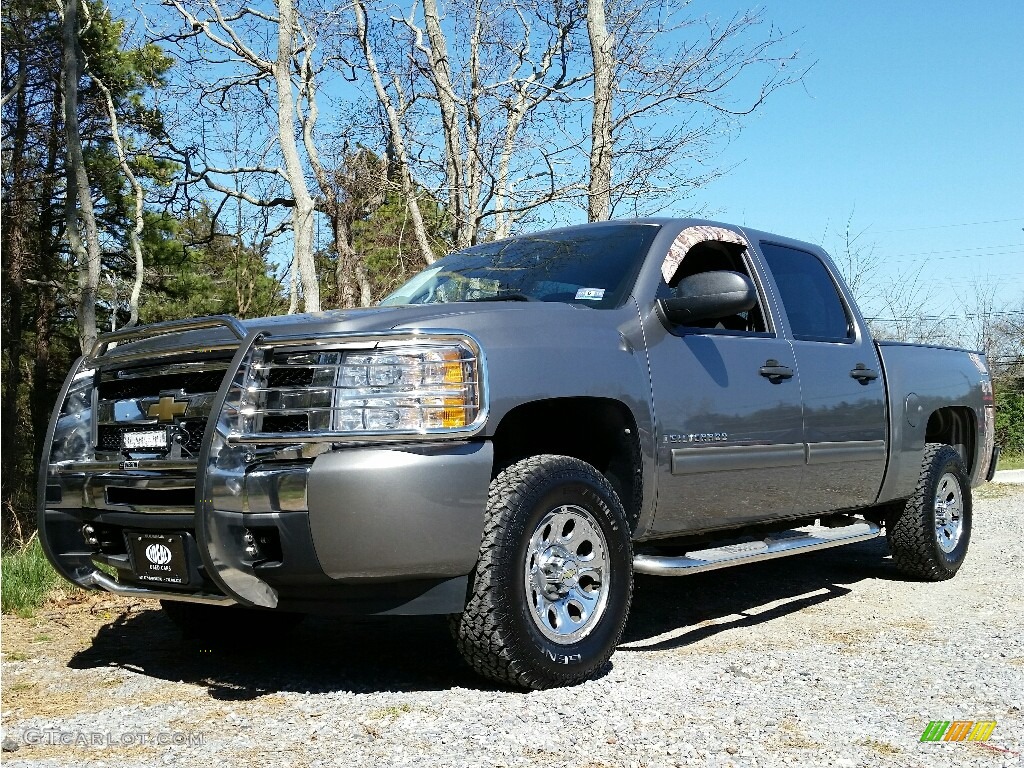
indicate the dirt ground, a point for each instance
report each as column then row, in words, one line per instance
column 753, row 642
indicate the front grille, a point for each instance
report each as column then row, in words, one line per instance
column 173, row 394
column 152, row 497
column 290, row 377
column 190, row 434
column 189, row 383
column 286, row 423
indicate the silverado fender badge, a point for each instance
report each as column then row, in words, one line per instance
column 698, row 437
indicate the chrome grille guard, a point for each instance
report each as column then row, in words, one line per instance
column 222, row 460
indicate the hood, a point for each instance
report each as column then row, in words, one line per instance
column 361, row 320
column 465, row 315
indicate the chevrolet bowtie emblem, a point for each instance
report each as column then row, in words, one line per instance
column 166, row 409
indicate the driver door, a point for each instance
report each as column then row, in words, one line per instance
column 727, row 402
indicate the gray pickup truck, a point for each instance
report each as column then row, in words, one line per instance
column 509, row 438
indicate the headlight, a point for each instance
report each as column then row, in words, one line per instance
column 72, row 436
column 423, row 387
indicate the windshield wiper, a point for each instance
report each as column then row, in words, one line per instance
column 504, row 297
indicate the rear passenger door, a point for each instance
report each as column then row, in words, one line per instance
column 841, row 382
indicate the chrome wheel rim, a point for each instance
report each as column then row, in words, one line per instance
column 566, row 574
column 949, row 512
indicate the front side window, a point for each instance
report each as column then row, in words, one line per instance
column 592, row 266
column 712, row 256
column 809, row 295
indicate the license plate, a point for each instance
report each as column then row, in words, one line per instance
column 158, row 557
column 156, row 438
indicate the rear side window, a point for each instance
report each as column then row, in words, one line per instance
column 809, row 295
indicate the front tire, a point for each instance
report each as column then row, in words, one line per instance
column 551, row 591
column 929, row 536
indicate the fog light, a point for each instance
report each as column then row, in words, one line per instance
column 262, row 544
column 252, row 550
column 90, row 535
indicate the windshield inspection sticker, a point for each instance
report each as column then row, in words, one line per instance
column 590, row 294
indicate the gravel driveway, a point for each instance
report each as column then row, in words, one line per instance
column 829, row 659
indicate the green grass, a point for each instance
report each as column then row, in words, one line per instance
column 1011, row 461
column 27, row 579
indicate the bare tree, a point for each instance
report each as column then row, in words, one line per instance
column 348, row 262
column 472, row 94
column 857, row 257
column 900, row 304
column 259, row 48
column 496, row 105
column 1008, row 358
column 302, row 213
column 82, row 232
column 394, row 109
column 897, row 303
column 361, row 179
column 666, row 86
column 602, row 52
column 138, row 222
column 991, row 325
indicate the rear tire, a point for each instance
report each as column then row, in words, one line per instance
column 929, row 535
column 551, row 592
column 230, row 623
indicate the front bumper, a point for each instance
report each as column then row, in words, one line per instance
column 376, row 516
column 393, row 527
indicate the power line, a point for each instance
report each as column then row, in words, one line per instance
column 933, row 318
column 947, row 226
column 979, row 254
column 994, row 274
column 959, row 250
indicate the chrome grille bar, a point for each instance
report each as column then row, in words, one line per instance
column 166, row 329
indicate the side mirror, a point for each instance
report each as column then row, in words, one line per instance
column 708, row 296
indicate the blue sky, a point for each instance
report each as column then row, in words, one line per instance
column 911, row 120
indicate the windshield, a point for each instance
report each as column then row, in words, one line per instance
column 592, row 266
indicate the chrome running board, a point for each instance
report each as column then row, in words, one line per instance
column 780, row 544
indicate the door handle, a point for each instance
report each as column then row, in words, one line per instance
column 863, row 374
column 774, row 372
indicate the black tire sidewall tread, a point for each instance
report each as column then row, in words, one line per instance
column 495, row 633
column 911, row 529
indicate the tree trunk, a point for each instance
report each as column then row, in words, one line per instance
column 503, row 221
column 365, row 286
column 474, row 174
column 345, row 269
column 397, row 139
column 293, row 287
column 338, row 213
column 302, row 213
column 455, row 172
column 42, row 394
column 78, row 209
column 602, row 48
column 138, row 224
column 15, row 251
